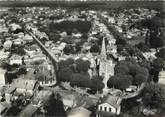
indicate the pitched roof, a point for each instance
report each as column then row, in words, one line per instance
column 29, row 111
column 10, row 89
column 114, row 101
column 162, row 73
column 15, row 57
column 4, row 106
column 79, row 111
column 43, row 96
column 24, row 83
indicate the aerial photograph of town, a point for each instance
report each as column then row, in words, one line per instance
column 82, row 58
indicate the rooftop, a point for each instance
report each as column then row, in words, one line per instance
column 24, row 84
column 115, row 101
column 29, row 111
column 80, row 111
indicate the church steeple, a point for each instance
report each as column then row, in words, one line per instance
column 103, row 50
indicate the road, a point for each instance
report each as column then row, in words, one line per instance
column 48, row 53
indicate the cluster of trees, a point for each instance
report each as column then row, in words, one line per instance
column 54, row 106
column 154, row 36
column 156, row 40
column 153, row 95
column 129, row 50
column 73, row 47
column 128, row 72
column 76, row 72
column 143, row 47
column 68, row 26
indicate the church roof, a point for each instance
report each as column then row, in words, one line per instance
column 103, row 48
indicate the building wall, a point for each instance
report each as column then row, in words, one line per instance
column 2, row 80
column 8, row 97
column 162, row 80
column 108, row 108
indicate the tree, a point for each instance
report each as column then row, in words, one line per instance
column 153, row 95
column 96, row 84
column 54, row 107
column 75, row 31
column 156, row 40
column 123, row 83
column 68, row 49
column 141, row 76
column 158, row 64
column 143, row 47
column 85, row 36
column 139, row 79
column 161, row 53
column 54, row 37
column 80, row 80
column 145, row 64
column 112, row 82
column 120, row 47
column 66, row 63
column 22, row 70
column 121, row 42
column 122, row 68
column 82, row 66
column 95, row 48
column 19, row 50
column 119, row 81
column 70, row 61
column 65, row 74
column 130, row 71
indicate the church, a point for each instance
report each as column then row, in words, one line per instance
column 106, row 66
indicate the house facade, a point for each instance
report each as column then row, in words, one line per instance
column 15, row 59
column 110, row 105
column 109, row 108
column 161, row 77
column 26, row 87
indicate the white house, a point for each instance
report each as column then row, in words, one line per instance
column 2, row 77
column 162, row 77
column 7, row 44
column 110, row 105
column 18, row 42
column 27, row 38
column 15, row 59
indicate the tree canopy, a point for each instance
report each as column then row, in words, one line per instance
column 76, row 72
column 153, row 95
column 128, row 72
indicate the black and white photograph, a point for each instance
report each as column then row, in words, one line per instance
column 82, row 58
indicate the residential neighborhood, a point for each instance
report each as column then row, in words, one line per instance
column 82, row 61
